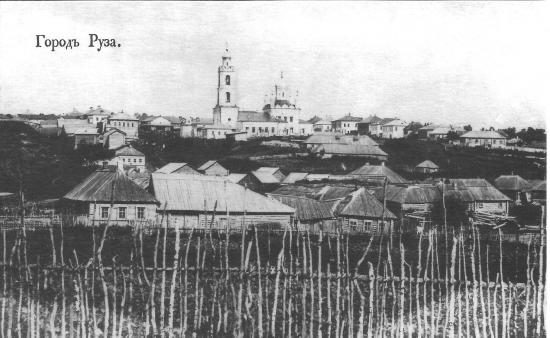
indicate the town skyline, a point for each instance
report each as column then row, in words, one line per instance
column 364, row 65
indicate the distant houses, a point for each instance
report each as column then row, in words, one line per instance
column 346, row 124
column 483, row 138
column 514, row 186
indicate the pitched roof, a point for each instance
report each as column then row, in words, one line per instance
column 314, row 119
column 85, row 131
column 337, row 138
column 171, row 167
column 106, row 185
column 112, row 131
column 128, row 151
column 538, row 186
column 307, row 209
column 383, row 121
column 370, row 119
column 178, row 192
column 293, row 177
column 483, row 134
column 208, row 164
column 265, row 177
column 329, row 192
column 349, row 149
column 394, row 122
column 362, row 204
column 379, row 170
column 412, row 194
column 349, row 118
column 427, row 164
column 235, row 177
column 512, row 182
column 480, row 188
column 317, row 192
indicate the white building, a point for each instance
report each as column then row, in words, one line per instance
column 125, row 123
column 483, row 138
column 394, row 129
column 279, row 116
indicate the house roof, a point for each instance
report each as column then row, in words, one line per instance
column 379, row 170
column 86, row 131
column 122, row 116
column 427, row 164
column 208, row 164
column 171, row 167
column 350, row 118
column 337, row 138
column 362, row 204
column 394, row 122
column 481, row 189
column 330, row 192
column 128, row 151
column 370, row 119
column 106, row 185
column 512, row 182
column 179, row 192
column 265, row 177
column 349, row 149
column 235, row 177
column 217, row 126
column 293, row 177
column 412, row 194
column 538, row 186
column 383, row 121
column 307, row 209
column 317, row 192
column 112, row 131
column 314, row 119
column 483, row 134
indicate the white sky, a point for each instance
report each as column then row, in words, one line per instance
column 468, row 62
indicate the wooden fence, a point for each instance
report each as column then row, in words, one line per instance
column 315, row 288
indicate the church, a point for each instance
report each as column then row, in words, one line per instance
column 279, row 117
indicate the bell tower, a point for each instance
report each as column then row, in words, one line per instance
column 226, row 109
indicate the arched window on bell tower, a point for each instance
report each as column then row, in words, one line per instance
column 227, row 80
column 227, row 97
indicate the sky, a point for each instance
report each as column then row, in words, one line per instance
column 478, row 63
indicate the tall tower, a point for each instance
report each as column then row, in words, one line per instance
column 226, row 109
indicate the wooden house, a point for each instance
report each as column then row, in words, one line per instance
column 109, row 196
column 379, row 171
column 487, row 198
column 192, row 201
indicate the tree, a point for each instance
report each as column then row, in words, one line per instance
column 510, row 132
column 468, row 127
column 453, row 135
column 456, row 212
column 413, row 127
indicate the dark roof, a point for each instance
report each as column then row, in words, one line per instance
column 307, row 209
column 481, row 189
column 106, row 185
column 208, row 164
column 362, row 204
column 314, row 119
column 379, row 170
column 512, row 183
column 371, row 119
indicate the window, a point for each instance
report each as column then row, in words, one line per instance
column 246, row 129
column 285, row 119
column 273, row 129
column 135, row 160
column 122, row 212
column 291, row 118
column 259, row 129
column 353, row 225
column 228, row 119
column 104, row 212
column 480, row 205
column 141, row 212
column 227, row 80
column 253, row 129
column 500, row 205
column 219, row 132
column 227, row 97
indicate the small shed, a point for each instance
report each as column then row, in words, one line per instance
column 538, row 191
column 427, row 167
column 213, row 168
